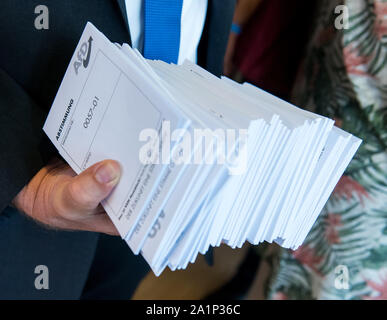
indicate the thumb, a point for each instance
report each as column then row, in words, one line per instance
column 85, row 191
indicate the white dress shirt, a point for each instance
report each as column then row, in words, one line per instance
column 193, row 16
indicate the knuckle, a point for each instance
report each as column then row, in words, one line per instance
column 59, row 208
column 80, row 197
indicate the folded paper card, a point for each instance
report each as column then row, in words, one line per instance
column 205, row 160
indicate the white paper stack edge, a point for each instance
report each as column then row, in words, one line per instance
column 278, row 171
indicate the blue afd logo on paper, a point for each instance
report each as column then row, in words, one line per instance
column 83, row 55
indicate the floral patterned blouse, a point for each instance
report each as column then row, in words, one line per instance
column 344, row 77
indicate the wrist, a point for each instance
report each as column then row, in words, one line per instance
column 24, row 201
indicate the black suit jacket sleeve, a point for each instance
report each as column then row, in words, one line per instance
column 32, row 64
column 20, row 138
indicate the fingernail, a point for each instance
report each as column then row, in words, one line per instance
column 106, row 173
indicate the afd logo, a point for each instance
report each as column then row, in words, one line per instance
column 83, row 55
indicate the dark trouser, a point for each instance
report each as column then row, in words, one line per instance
column 115, row 272
column 81, row 265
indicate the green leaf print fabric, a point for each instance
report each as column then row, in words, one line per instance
column 344, row 76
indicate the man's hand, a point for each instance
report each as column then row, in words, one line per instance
column 60, row 199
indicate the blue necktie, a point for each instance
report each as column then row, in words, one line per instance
column 162, row 29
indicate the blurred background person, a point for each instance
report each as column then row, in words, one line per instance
column 266, row 43
column 344, row 77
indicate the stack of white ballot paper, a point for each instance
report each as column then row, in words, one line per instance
column 205, row 160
